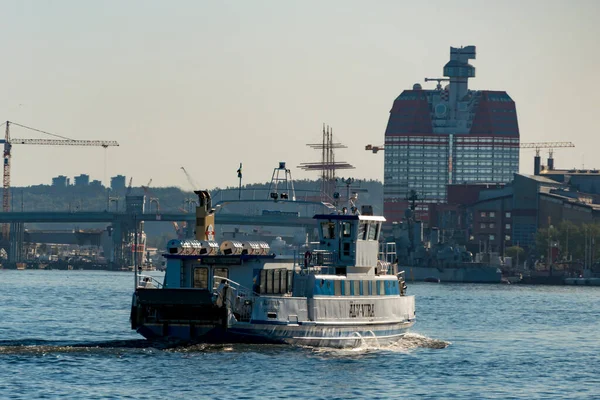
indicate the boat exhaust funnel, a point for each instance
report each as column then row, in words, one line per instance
column 205, row 217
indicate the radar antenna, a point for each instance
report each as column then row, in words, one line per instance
column 438, row 80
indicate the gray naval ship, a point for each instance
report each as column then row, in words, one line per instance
column 434, row 260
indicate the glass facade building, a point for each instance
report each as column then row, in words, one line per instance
column 445, row 136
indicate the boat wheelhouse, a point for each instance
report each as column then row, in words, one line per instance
column 334, row 295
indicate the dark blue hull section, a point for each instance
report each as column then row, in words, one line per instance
column 309, row 335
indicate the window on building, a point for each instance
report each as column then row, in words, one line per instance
column 492, row 214
column 507, row 237
column 507, row 226
column 508, row 214
column 483, row 226
column 492, row 237
column 492, row 225
column 483, row 214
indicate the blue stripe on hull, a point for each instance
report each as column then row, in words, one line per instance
column 312, row 335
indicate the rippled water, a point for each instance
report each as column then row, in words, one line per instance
column 65, row 334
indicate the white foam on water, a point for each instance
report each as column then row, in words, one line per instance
column 412, row 341
column 368, row 344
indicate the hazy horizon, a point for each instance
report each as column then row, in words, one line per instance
column 207, row 85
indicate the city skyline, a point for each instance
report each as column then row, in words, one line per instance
column 209, row 85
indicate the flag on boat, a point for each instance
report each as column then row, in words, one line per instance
column 239, row 171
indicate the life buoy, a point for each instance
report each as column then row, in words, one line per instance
column 210, row 233
column 307, row 258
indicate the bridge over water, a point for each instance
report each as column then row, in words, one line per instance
column 123, row 223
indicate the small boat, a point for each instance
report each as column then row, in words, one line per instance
column 432, row 279
column 336, row 295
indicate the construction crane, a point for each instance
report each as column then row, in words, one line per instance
column 190, row 179
column 537, row 165
column 545, row 145
column 9, row 142
column 129, row 187
column 374, row 149
column 151, row 197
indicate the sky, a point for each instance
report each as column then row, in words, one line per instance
column 209, row 84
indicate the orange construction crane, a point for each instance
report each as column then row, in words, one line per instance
column 8, row 142
column 374, row 149
column 545, row 145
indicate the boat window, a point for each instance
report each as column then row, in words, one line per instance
column 328, row 230
column 201, row 278
column 222, row 272
column 356, row 288
column 346, row 249
column 337, row 288
column 368, row 287
column 373, row 231
column 346, row 229
column 362, row 231
column 378, row 285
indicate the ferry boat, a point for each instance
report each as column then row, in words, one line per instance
column 336, row 295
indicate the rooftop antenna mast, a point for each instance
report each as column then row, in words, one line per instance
column 438, row 80
column 351, row 194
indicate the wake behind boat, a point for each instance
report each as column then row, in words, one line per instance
column 332, row 296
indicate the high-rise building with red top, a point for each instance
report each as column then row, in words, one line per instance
column 447, row 135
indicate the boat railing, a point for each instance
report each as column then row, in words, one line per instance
column 320, row 262
column 241, row 299
column 324, row 258
column 383, row 267
column 148, row 282
column 387, row 252
column 402, row 282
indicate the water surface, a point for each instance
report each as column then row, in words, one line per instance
column 65, row 334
